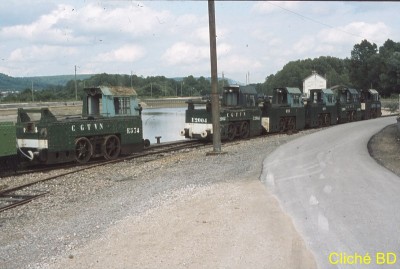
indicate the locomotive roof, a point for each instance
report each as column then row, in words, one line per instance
column 114, row 90
column 373, row 91
column 342, row 87
column 248, row 89
column 353, row 91
column 292, row 90
column 243, row 89
column 327, row 91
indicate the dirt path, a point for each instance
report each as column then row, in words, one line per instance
column 227, row 225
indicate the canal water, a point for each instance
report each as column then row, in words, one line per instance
column 164, row 122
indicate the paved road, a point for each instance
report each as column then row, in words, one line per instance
column 339, row 198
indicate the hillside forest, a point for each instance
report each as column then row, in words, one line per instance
column 367, row 67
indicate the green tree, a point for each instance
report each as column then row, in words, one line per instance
column 363, row 71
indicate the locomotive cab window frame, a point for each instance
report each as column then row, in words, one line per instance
column 230, row 96
column 122, row 105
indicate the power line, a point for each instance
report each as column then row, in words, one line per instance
column 315, row 21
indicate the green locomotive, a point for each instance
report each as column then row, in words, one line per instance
column 370, row 104
column 348, row 103
column 284, row 112
column 110, row 125
column 239, row 115
column 321, row 108
column 8, row 152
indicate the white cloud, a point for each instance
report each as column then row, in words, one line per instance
column 127, row 53
column 40, row 53
column 304, row 45
column 238, row 64
column 185, row 53
column 267, row 7
column 202, row 34
column 354, row 32
column 42, row 30
column 172, row 38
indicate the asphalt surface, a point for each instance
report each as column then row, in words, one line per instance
column 341, row 201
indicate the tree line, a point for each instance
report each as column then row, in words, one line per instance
column 149, row 87
column 368, row 67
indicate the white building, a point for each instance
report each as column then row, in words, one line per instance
column 314, row 81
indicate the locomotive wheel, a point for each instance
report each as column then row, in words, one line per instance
column 231, row 132
column 320, row 120
column 282, row 125
column 244, row 129
column 83, row 150
column 111, row 147
column 353, row 115
column 327, row 119
column 291, row 124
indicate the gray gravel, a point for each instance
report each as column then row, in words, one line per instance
column 79, row 207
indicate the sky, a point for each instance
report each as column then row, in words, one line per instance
column 171, row 38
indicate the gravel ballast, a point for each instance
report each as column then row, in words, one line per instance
column 88, row 207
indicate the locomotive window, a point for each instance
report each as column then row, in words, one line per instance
column 231, row 99
column 296, row 99
column 122, row 105
column 250, row 101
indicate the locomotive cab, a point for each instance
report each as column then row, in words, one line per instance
column 321, row 108
column 370, row 104
column 111, row 101
column 244, row 96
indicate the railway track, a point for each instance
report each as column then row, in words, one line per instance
column 10, row 196
column 19, row 194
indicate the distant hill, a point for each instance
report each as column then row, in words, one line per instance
column 39, row 82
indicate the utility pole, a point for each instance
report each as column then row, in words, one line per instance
column 76, row 88
column 131, row 80
column 33, row 99
column 181, row 87
column 214, row 79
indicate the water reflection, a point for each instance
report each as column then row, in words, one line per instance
column 164, row 122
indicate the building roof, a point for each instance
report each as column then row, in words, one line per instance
column 314, row 74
